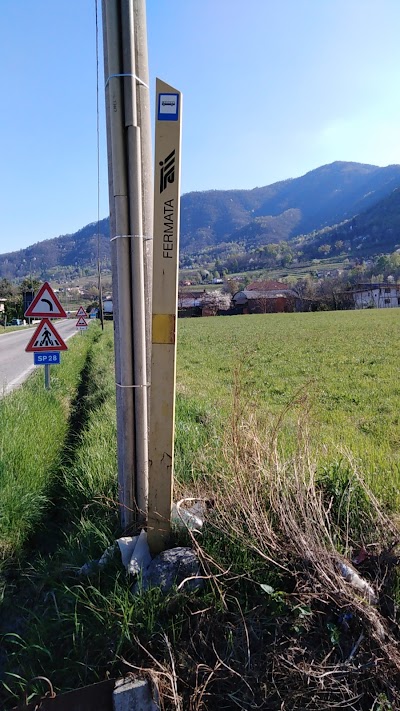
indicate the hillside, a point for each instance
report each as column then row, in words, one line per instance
column 322, row 197
column 251, row 219
column 374, row 230
column 78, row 250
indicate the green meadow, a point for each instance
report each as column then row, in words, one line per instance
column 334, row 373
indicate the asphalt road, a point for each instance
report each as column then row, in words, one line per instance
column 15, row 363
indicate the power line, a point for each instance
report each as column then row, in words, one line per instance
column 100, row 285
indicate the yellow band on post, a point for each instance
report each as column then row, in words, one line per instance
column 164, row 329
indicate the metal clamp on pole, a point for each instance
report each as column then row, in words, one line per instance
column 133, row 76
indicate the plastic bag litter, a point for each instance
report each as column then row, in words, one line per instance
column 93, row 565
column 192, row 518
column 107, row 556
column 135, row 552
column 135, row 555
column 141, row 557
column 126, row 546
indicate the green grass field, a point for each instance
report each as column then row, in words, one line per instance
column 338, row 369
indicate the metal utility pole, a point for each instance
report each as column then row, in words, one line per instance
column 133, row 136
column 126, row 227
column 144, row 121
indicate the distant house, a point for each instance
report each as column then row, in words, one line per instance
column 202, row 303
column 267, row 297
column 2, row 305
column 189, row 299
column 376, row 295
column 189, row 303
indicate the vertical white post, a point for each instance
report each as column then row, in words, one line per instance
column 47, row 376
column 164, row 321
column 133, row 143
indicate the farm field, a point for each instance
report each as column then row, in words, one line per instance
column 337, row 372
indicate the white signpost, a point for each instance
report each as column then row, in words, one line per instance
column 165, row 294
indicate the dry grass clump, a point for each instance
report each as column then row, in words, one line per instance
column 345, row 651
column 325, row 634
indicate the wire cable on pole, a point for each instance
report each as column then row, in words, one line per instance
column 127, row 74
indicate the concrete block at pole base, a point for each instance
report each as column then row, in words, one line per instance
column 135, row 695
column 172, row 567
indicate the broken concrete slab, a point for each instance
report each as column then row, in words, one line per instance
column 134, row 695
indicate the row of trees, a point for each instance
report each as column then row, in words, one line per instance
column 14, row 304
column 273, row 255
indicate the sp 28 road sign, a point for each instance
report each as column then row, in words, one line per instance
column 46, row 358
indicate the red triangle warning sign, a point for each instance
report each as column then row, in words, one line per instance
column 45, row 303
column 81, row 312
column 46, row 338
column 81, row 323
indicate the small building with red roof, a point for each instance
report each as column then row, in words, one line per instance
column 267, row 297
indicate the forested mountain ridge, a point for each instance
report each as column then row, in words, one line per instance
column 309, row 206
column 322, row 197
column 74, row 250
column 370, row 232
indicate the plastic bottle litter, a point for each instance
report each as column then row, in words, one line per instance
column 356, row 581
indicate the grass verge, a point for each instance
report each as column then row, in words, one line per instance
column 33, row 436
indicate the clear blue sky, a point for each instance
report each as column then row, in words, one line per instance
column 272, row 89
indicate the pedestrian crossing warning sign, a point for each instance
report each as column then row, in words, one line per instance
column 46, row 338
